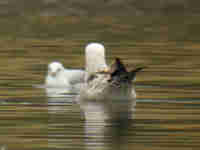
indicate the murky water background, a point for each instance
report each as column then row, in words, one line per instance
column 168, row 102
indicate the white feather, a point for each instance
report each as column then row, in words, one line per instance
column 95, row 57
column 62, row 80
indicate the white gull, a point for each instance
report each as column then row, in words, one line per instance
column 60, row 80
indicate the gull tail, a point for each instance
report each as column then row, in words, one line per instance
column 132, row 74
column 119, row 73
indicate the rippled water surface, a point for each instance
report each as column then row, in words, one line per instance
column 168, row 99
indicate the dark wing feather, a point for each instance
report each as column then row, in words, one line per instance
column 120, row 74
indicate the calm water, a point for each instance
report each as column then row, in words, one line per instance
column 168, row 102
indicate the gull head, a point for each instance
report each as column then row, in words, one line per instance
column 95, row 57
column 55, row 68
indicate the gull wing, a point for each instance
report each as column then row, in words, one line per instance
column 75, row 76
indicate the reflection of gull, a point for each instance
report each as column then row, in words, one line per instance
column 3, row 147
column 60, row 80
column 106, row 95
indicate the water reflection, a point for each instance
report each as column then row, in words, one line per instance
column 94, row 133
column 56, row 104
column 23, row 123
column 65, row 128
column 57, row 92
column 107, row 135
column 157, row 124
column 3, row 147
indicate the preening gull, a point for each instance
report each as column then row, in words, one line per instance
column 95, row 58
column 60, row 80
column 107, row 93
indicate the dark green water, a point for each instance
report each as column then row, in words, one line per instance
column 168, row 102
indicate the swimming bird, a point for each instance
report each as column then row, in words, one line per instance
column 107, row 92
column 62, row 80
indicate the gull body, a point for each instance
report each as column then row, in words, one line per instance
column 100, row 98
column 62, row 80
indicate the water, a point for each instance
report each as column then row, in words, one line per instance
column 168, row 99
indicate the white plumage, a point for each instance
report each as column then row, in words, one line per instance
column 95, row 58
column 60, row 80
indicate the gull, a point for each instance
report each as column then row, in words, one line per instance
column 60, row 80
column 107, row 92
